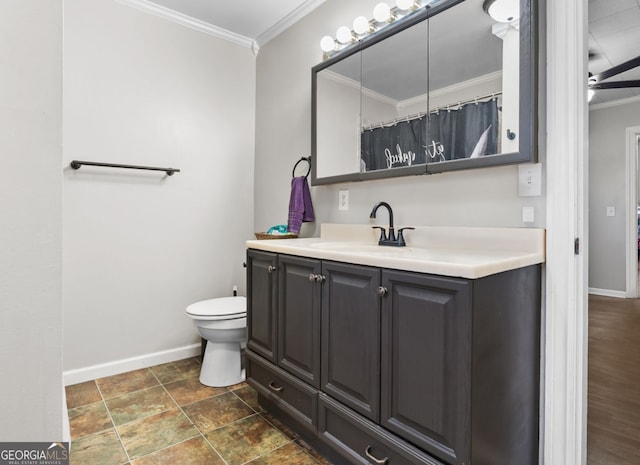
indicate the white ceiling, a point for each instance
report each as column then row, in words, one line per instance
column 614, row 37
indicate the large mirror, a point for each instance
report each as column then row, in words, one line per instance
column 445, row 88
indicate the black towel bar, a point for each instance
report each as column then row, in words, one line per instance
column 76, row 164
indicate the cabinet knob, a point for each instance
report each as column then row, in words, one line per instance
column 271, row 269
column 316, row 277
column 383, row 461
column 382, row 291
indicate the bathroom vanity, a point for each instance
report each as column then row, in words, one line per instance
column 425, row 354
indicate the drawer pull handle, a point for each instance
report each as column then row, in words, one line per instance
column 275, row 388
column 312, row 277
column 367, row 452
column 382, row 291
column 271, row 269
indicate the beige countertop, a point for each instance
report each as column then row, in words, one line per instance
column 467, row 252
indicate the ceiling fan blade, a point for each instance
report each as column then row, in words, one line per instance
column 626, row 66
column 615, row 85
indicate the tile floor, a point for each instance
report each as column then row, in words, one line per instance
column 163, row 415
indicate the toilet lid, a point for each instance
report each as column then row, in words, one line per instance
column 231, row 307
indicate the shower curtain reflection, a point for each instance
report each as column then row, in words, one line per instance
column 467, row 131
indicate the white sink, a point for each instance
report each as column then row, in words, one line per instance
column 374, row 249
column 348, row 247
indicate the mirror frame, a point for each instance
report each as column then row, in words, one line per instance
column 528, row 99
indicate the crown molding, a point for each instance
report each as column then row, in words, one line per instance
column 341, row 79
column 452, row 89
column 614, row 103
column 286, row 22
column 352, row 83
column 190, row 22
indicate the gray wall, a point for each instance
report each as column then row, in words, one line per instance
column 139, row 247
column 31, row 402
column 486, row 197
column 607, row 187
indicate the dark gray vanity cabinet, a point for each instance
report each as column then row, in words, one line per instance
column 395, row 367
column 299, row 317
column 425, row 370
column 351, row 336
column 284, row 312
column 283, row 317
column 262, row 303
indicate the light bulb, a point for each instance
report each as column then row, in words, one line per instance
column 405, row 5
column 504, row 11
column 361, row 25
column 327, row 44
column 343, row 34
column 382, row 12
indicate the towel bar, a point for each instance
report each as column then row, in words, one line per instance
column 76, row 164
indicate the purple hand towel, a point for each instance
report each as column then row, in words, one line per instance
column 300, row 206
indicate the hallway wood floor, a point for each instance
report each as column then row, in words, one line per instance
column 613, row 432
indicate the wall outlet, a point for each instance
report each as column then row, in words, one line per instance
column 611, row 211
column 343, row 200
column 530, row 180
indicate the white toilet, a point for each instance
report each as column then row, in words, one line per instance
column 223, row 323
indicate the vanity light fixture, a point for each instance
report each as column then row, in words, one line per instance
column 344, row 35
column 405, row 5
column 327, row 44
column 503, row 11
column 361, row 25
column 383, row 15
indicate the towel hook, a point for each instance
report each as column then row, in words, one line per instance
column 308, row 160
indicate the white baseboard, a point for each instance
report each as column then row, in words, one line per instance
column 608, row 293
column 81, row 375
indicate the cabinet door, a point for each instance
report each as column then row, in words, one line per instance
column 351, row 336
column 299, row 317
column 262, row 301
column 425, row 388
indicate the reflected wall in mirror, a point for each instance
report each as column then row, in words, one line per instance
column 448, row 88
column 338, row 117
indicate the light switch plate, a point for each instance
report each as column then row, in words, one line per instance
column 530, row 180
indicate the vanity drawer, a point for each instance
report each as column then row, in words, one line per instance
column 362, row 441
column 290, row 394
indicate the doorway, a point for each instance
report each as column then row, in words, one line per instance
column 633, row 210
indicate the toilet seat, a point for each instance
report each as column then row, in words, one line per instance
column 223, row 308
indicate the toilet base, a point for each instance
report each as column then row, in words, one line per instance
column 221, row 365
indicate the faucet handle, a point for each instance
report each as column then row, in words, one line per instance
column 401, row 235
column 383, row 233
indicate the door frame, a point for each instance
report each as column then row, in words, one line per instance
column 565, row 336
column 632, row 141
